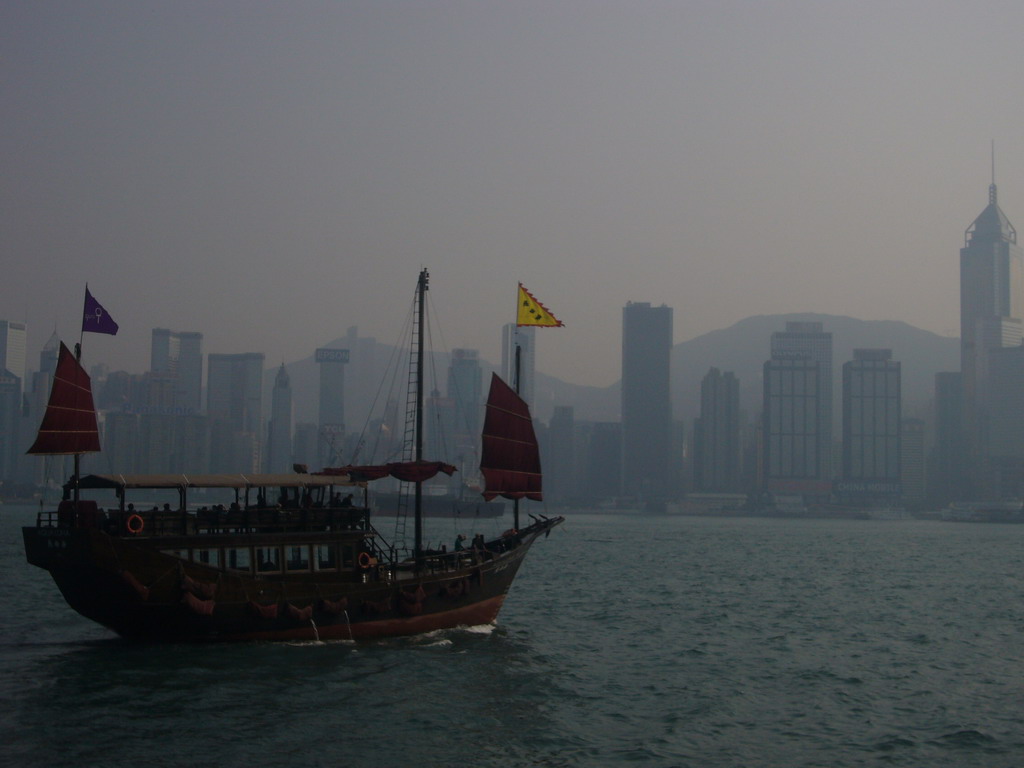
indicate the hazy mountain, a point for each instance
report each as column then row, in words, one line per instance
column 741, row 348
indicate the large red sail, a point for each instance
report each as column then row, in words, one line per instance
column 69, row 424
column 511, row 460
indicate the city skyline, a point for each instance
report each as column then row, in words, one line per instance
column 274, row 174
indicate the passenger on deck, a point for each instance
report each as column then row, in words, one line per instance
column 458, row 542
column 347, row 501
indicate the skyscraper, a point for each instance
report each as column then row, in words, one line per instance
column 526, row 338
column 279, row 438
column 12, row 384
column 912, row 464
column 717, row 434
column 178, row 356
column 12, row 349
column 646, row 405
column 947, row 475
column 560, row 458
column 234, row 397
column 10, row 419
column 465, row 390
column 871, row 428
column 332, row 404
column 792, row 429
column 808, row 340
column 991, row 305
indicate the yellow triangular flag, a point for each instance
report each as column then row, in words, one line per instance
column 532, row 312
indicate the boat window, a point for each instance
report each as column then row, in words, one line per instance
column 348, row 556
column 268, row 559
column 239, row 559
column 179, row 553
column 206, row 557
column 325, row 558
column 298, row 557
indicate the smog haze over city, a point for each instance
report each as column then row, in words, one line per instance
column 271, row 174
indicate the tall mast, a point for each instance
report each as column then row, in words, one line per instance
column 78, row 456
column 421, row 291
column 518, row 372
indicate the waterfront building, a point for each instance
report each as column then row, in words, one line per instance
column 792, row 428
column 602, row 467
column 1001, row 425
column 178, row 357
column 12, row 385
column 12, row 349
column 716, row 437
column 120, row 443
column 10, row 423
column 991, row 305
column 646, row 403
column 526, row 338
column 234, row 397
column 465, row 390
column 439, row 432
column 332, row 364
column 872, row 421
column 912, row 462
column 809, row 340
column 560, row 458
column 304, row 444
column 947, row 475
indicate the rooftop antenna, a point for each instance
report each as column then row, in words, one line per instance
column 992, row 187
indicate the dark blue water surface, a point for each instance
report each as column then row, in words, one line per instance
column 625, row 641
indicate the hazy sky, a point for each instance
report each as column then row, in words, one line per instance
column 271, row 173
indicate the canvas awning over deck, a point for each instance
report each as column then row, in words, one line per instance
column 238, row 482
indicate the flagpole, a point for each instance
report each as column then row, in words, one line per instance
column 81, row 333
column 77, row 461
column 516, row 355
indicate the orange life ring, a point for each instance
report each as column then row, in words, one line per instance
column 365, row 561
column 135, row 524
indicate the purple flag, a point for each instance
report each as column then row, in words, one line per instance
column 96, row 318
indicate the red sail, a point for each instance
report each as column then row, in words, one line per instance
column 511, row 461
column 69, row 424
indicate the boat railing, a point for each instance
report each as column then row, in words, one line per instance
column 171, row 522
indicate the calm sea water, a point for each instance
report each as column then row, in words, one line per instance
column 625, row 641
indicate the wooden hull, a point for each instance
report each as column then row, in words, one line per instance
column 141, row 592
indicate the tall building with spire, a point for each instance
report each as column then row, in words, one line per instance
column 991, row 305
column 279, row 437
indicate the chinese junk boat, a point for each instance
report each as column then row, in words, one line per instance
column 289, row 557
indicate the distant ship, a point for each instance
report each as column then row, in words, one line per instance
column 984, row 512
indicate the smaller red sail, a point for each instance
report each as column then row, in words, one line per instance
column 69, row 424
column 510, row 460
